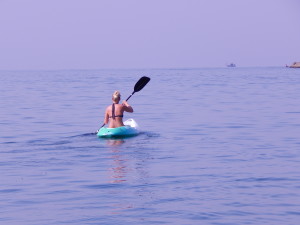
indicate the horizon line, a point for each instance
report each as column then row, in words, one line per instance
column 143, row 68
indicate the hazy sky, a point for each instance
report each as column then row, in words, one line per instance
column 95, row 34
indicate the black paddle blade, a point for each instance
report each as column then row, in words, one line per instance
column 141, row 84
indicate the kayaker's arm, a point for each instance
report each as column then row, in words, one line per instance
column 106, row 117
column 127, row 107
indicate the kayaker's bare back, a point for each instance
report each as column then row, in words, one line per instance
column 114, row 113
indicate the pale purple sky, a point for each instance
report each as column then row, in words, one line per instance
column 96, row 34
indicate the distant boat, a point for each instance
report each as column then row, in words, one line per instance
column 295, row 65
column 231, row 65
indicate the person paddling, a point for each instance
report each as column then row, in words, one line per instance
column 114, row 113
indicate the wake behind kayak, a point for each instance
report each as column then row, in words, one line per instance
column 130, row 129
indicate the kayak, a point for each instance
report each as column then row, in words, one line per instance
column 130, row 129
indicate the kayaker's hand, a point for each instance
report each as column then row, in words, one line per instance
column 125, row 103
column 127, row 107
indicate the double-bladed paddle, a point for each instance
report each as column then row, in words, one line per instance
column 137, row 87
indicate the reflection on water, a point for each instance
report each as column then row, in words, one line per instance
column 113, row 142
column 128, row 170
column 118, row 208
column 119, row 169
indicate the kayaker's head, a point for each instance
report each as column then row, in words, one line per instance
column 116, row 97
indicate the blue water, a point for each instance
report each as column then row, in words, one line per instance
column 218, row 146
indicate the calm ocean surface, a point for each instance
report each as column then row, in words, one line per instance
column 218, row 146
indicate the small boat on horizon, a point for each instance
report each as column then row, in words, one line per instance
column 231, row 65
column 294, row 65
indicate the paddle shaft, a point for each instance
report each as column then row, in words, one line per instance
column 130, row 96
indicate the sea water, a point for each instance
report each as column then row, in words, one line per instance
column 217, row 146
